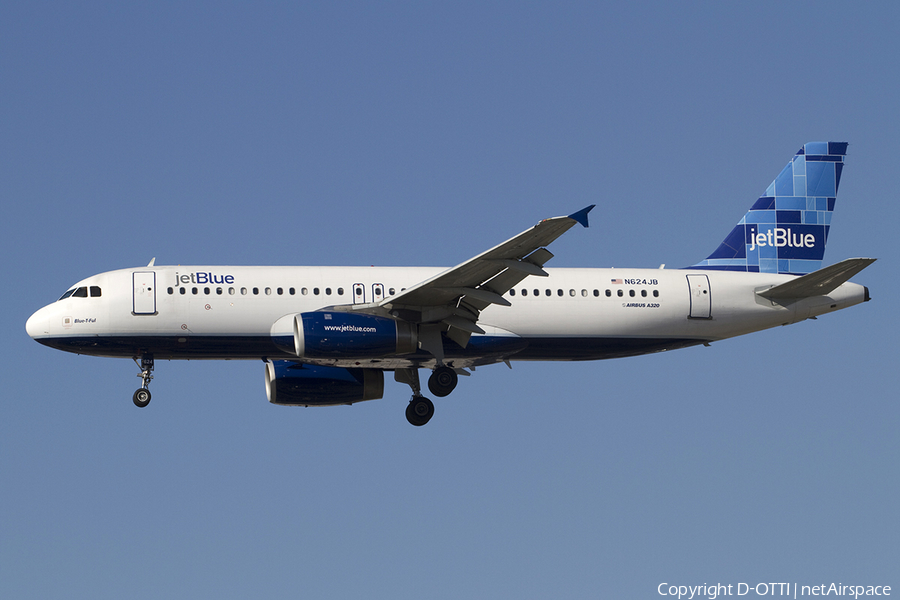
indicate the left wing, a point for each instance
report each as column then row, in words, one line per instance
column 453, row 300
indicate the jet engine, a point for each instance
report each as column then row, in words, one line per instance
column 343, row 335
column 297, row 384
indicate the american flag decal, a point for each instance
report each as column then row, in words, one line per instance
column 615, row 281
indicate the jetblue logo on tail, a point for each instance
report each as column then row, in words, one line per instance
column 786, row 229
column 780, row 238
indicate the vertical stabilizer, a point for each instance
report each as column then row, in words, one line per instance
column 785, row 231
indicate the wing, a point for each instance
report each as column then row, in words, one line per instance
column 453, row 300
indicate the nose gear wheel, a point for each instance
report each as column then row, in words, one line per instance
column 141, row 397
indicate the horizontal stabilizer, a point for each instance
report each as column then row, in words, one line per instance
column 818, row 283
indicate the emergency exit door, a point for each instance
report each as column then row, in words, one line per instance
column 359, row 293
column 144, row 292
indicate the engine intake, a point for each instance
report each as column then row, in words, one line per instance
column 343, row 335
column 294, row 384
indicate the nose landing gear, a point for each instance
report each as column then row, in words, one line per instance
column 141, row 397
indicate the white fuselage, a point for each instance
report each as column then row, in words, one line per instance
column 574, row 314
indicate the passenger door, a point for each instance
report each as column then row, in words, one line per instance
column 701, row 301
column 144, row 302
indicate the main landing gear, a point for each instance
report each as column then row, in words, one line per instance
column 141, row 396
column 419, row 410
column 441, row 382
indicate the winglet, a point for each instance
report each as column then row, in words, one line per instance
column 581, row 215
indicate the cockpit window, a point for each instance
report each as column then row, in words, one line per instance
column 82, row 292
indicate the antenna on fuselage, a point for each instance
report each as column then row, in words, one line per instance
column 152, row 260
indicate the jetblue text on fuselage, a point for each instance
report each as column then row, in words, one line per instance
column 780, row 237
column 203, row 278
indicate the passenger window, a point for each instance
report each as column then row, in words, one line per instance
column 206, row 291
column 631, row 293
column 391, row 291
column 268, row 291
column 171, row 291
column 80, row 293
column 231, row 291
column 243, row 291
column 315, row 291
column 218, row 291
column 194, row 291
column 512, row 292
column 256, row 291
column 572, row 293
column 182, row 291
column 656, row 293
column 644, row 293
column 584, row 293
column 620, row 293
column 304, row 291
column 95, row 291
column 524, row 292
column 559, row 292
column 327, row 291
column 291, row 291
column 608, row 293
column 280, row 291
column 547, row 292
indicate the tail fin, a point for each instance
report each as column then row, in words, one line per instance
column 786, row 229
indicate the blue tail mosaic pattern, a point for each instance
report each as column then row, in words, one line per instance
column 786, row 229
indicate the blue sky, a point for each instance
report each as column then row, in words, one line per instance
column 423, row 134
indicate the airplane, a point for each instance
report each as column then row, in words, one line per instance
column 327, row 335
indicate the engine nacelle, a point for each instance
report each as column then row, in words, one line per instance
column 343, row 335
column 291, row 383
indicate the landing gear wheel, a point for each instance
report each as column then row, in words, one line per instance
column 141, row 397
column 419, row 411
column 442, row 381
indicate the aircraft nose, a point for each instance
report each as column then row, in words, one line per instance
column 37, row 324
